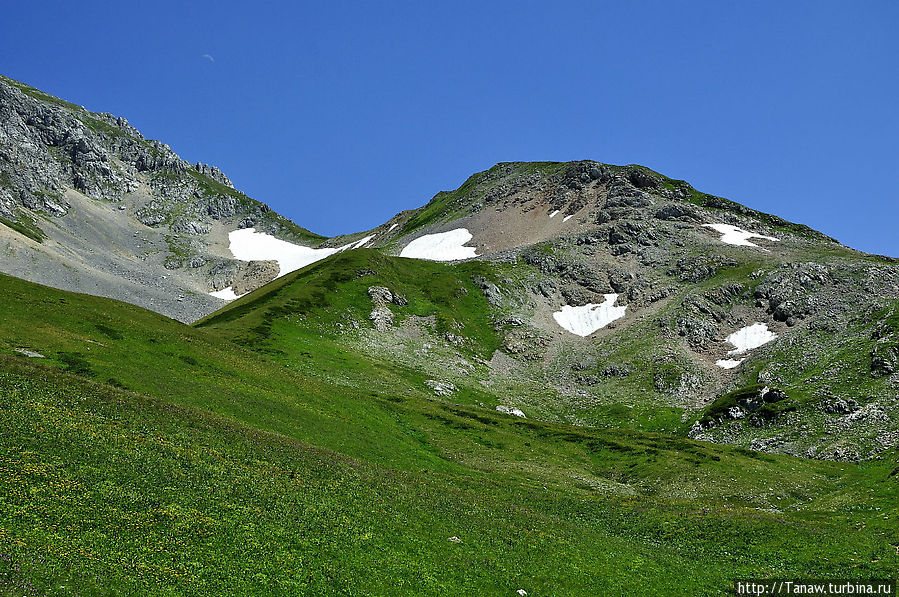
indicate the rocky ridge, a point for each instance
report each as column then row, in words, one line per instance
column 59, row 162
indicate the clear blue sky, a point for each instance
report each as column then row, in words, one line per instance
column 341, row 114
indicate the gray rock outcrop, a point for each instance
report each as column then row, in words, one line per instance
column 253, row 275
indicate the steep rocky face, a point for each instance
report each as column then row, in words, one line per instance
column 86, row 192
column 48, row 146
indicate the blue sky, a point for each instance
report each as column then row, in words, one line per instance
column 340, row 114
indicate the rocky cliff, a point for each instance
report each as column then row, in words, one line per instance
column 89, row 204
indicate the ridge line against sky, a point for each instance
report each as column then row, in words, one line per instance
column 339, row 116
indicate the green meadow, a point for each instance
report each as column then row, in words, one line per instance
column 245, row 455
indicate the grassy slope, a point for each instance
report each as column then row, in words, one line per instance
column 303, row 321
column 305, row 309
column 221, row 471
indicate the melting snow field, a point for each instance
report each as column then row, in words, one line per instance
column 752, row 336
column 249, row 245
column 443, row 246
column 585, row 320
column 744, row 340
column 225, row 294
column 362, row 242
column 737, row 236
column 729, row 363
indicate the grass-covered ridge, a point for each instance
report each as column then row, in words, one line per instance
column 334, row 289
column 145, row 456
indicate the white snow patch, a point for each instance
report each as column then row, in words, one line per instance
column 752, row 336
column 362, row 242
column 566, row 218
column 511, row 411
column 443, row 246
column 585, row 320
column 553, row 214
column 729, row 363
column 737, row 236
column 249, row 245
column 392, row 226
column 225, row 294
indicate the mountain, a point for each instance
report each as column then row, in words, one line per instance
column 88, row 204
column 613, row 292
column 614, row 295
column 559, row 378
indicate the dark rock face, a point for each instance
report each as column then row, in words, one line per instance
column 630, row 233
column 679, row 213
column 838, row 406
column 698, row 332
column 697, row 268
column 381, row 316
column 726, row 294
column 214, row 173
column 46, row 148
column 491, row 291
column 222, row 273
column 619, row 197
column 642, row 179
column 758, row 405
column 792, row 291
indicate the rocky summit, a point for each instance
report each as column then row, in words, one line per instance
column 558, row 378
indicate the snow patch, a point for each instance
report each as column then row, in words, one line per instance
column 733, row 235
column 249, row 245
column 362, row 242
column 443, row 246
column 750, row 337
column 566, row 218
column 553, row 214
column 585, row 320
column 392, row 226
column 729, row 363
column 225, row 294
column 511, row 411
